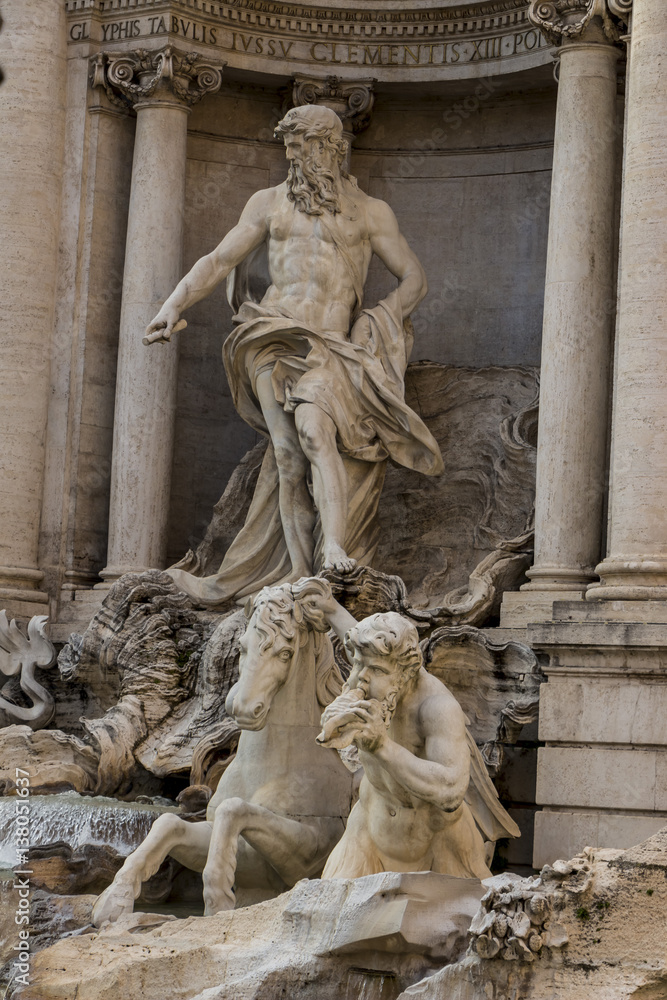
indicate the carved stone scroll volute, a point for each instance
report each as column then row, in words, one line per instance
column 129, row 78
column 572, row 20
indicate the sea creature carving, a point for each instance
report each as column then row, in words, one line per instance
column 20, row 655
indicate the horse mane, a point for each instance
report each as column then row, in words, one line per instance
column 328, row 678
column 279, row 612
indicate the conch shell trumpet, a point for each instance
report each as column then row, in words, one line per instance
column 339, row 720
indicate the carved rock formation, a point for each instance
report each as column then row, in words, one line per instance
column 591, row 927
column 142, row 661
column 496, row 683
column 311, row 942
column 458, row 540
column 599, row 918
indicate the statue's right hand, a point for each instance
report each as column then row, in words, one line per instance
column 161, row 328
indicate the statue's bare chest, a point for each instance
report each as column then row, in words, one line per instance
column 288, row 223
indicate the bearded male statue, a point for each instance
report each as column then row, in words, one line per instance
column 426, row 802
column 307, row 366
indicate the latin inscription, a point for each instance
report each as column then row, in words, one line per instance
column 323, row 53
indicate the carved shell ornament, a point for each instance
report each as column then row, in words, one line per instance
column 20, row 654
column 562, row 20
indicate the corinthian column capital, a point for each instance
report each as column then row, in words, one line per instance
column 130, row 78
column 352, row 102
column 580, row 20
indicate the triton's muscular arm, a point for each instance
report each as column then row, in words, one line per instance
column 439, row 777
column 210, row 270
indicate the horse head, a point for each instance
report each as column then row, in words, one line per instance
column 282, row 622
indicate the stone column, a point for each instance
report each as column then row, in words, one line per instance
column 352, row 102
column 579, row 302
column 161, row 86
column 636, row 566
column 33, row 53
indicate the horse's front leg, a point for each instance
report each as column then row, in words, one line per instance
column 186, row 842
column 289, row 846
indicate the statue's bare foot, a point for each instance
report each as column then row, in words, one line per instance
column 336, row 558
column 116, row 900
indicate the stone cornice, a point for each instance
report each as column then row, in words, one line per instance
column 393, row 42
column 580, row 20
column 130, row 78
column 391, row 19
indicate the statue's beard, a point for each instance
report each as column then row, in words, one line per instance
column 312, row 186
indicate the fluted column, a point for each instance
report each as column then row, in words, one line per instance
column 161, row 86
column 33, row 51
column 636, row 566
column 579, row 301
column 351, row 101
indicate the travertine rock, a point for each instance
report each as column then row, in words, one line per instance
column 59, row 868
column 51, row 917
column 314, row 942
column 450, row 537
column 593, row 927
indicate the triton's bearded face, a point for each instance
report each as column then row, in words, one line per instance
column 313, row 178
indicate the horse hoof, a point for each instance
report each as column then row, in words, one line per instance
column 213, row 906
column 113, row 903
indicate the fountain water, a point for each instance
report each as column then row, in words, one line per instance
column 78, row 820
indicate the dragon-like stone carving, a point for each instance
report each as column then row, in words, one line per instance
column 20, row 655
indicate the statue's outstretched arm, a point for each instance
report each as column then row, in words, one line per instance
column 393, row 250
column 209, row 271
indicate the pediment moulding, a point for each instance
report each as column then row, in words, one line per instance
column 389, row 42
column 580, row 20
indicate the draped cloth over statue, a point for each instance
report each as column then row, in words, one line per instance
column 360, row 386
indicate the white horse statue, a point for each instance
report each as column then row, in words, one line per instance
column 282, row 804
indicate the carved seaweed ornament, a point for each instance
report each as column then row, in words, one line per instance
column 569, row 20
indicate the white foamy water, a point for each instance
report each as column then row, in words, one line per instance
column 78, row 820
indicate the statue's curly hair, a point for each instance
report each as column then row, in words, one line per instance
column 297, row 123
column 387, row 634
